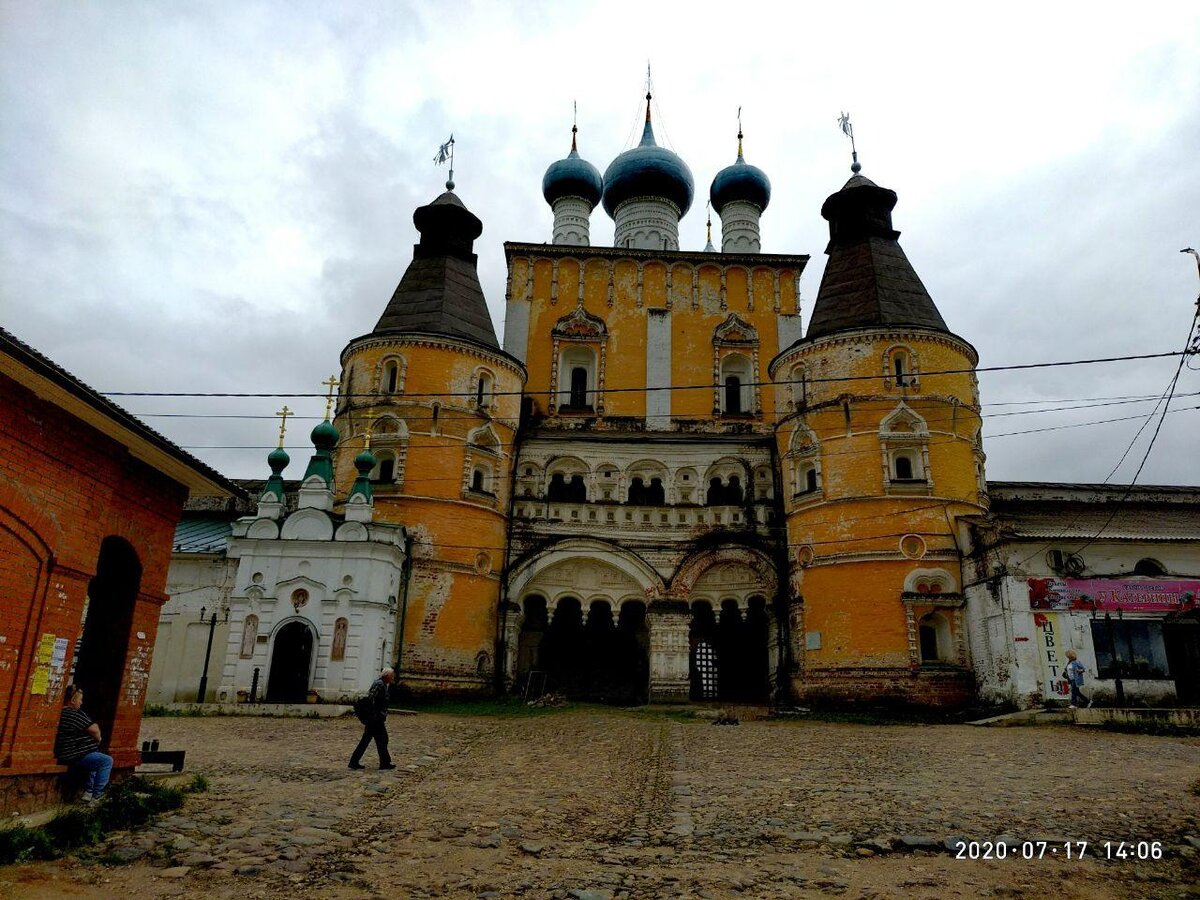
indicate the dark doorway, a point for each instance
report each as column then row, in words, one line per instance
column 103, row 647
column 561, row 652
column 533, row 629
column 1182, row 640
column 290, row 664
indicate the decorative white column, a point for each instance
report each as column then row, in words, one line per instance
column 668, row 622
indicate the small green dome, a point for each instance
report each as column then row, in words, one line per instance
column 325, row 436
column 364, row 462
column 278, row 460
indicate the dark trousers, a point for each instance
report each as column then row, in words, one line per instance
column 374, row 730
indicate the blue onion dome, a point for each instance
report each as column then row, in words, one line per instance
column 278, row 460
column 740, row 181
column 648, row 170
column 325, row 436
column 572, row 177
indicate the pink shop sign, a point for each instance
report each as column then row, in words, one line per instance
column 1130, row 596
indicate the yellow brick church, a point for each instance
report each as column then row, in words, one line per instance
column 664, row 485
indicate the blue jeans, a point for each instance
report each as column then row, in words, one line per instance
column 1077, row 698
column 97, row 765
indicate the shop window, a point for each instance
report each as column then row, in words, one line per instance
column 1134, row 647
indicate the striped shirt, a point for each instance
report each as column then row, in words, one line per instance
column 73, row 743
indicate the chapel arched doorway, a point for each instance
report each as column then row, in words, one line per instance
column 291, row 663
column 103, row 649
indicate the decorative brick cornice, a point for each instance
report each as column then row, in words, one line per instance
column 856, row 337
column 437, row 342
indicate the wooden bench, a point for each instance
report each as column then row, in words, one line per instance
column 174, row 757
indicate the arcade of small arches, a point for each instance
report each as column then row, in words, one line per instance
column 726, row 482
column 606, row 628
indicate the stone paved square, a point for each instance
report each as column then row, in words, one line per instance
column 592, row 803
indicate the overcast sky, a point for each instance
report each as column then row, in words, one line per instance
column 217, row 197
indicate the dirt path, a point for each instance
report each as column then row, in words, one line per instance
column 592, row 804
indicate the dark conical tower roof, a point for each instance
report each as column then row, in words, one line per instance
column 868, row 280
column 440, row 291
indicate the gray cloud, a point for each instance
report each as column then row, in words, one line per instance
column 218, row 198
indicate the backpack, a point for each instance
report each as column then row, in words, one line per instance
column 363, row 707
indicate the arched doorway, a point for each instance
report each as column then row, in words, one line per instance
column 291, row 662
column 103, row 647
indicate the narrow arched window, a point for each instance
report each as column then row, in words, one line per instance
column 433, row 424
column 579, row 387
column 904, row 468
column 479, row 389
column 898, row 364
column 733, row 395
column 733, row 493
column 656, row 494
column 477, row 481
column 387, row 470
column 391, row 377
column 810, row 479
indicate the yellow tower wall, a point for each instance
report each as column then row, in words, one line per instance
column 458, row 533
column 871, row 554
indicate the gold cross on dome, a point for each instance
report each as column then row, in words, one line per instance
column 331, row 382
column 367, row 440
column 283, row 416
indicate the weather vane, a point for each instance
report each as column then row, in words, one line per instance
column 848, row 131
column 283, row 417
column 330, row 382
column 446, row 154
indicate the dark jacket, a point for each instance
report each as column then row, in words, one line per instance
column 377, row 700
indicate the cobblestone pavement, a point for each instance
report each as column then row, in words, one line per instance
column 589, row 804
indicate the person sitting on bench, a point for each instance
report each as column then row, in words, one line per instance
column 77, row 744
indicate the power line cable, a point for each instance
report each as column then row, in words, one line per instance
column 707, row 386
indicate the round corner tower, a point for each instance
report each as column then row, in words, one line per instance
column 441, row 402
column 880, row 458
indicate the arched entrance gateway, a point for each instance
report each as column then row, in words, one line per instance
column 730, row 628
column 291, row 663
column 593, row 621
column 577, row 624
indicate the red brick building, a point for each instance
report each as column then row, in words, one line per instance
column 89, row 500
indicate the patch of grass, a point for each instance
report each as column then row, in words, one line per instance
column 20, row 844
column 198, row 786
column 128, row 805
column 154, row 711
column 73, row 828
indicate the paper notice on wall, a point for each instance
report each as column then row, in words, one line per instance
column 45, row 649
column 59, row 657
column 41, row 680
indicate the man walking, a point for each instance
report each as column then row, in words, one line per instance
column 372, row 712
